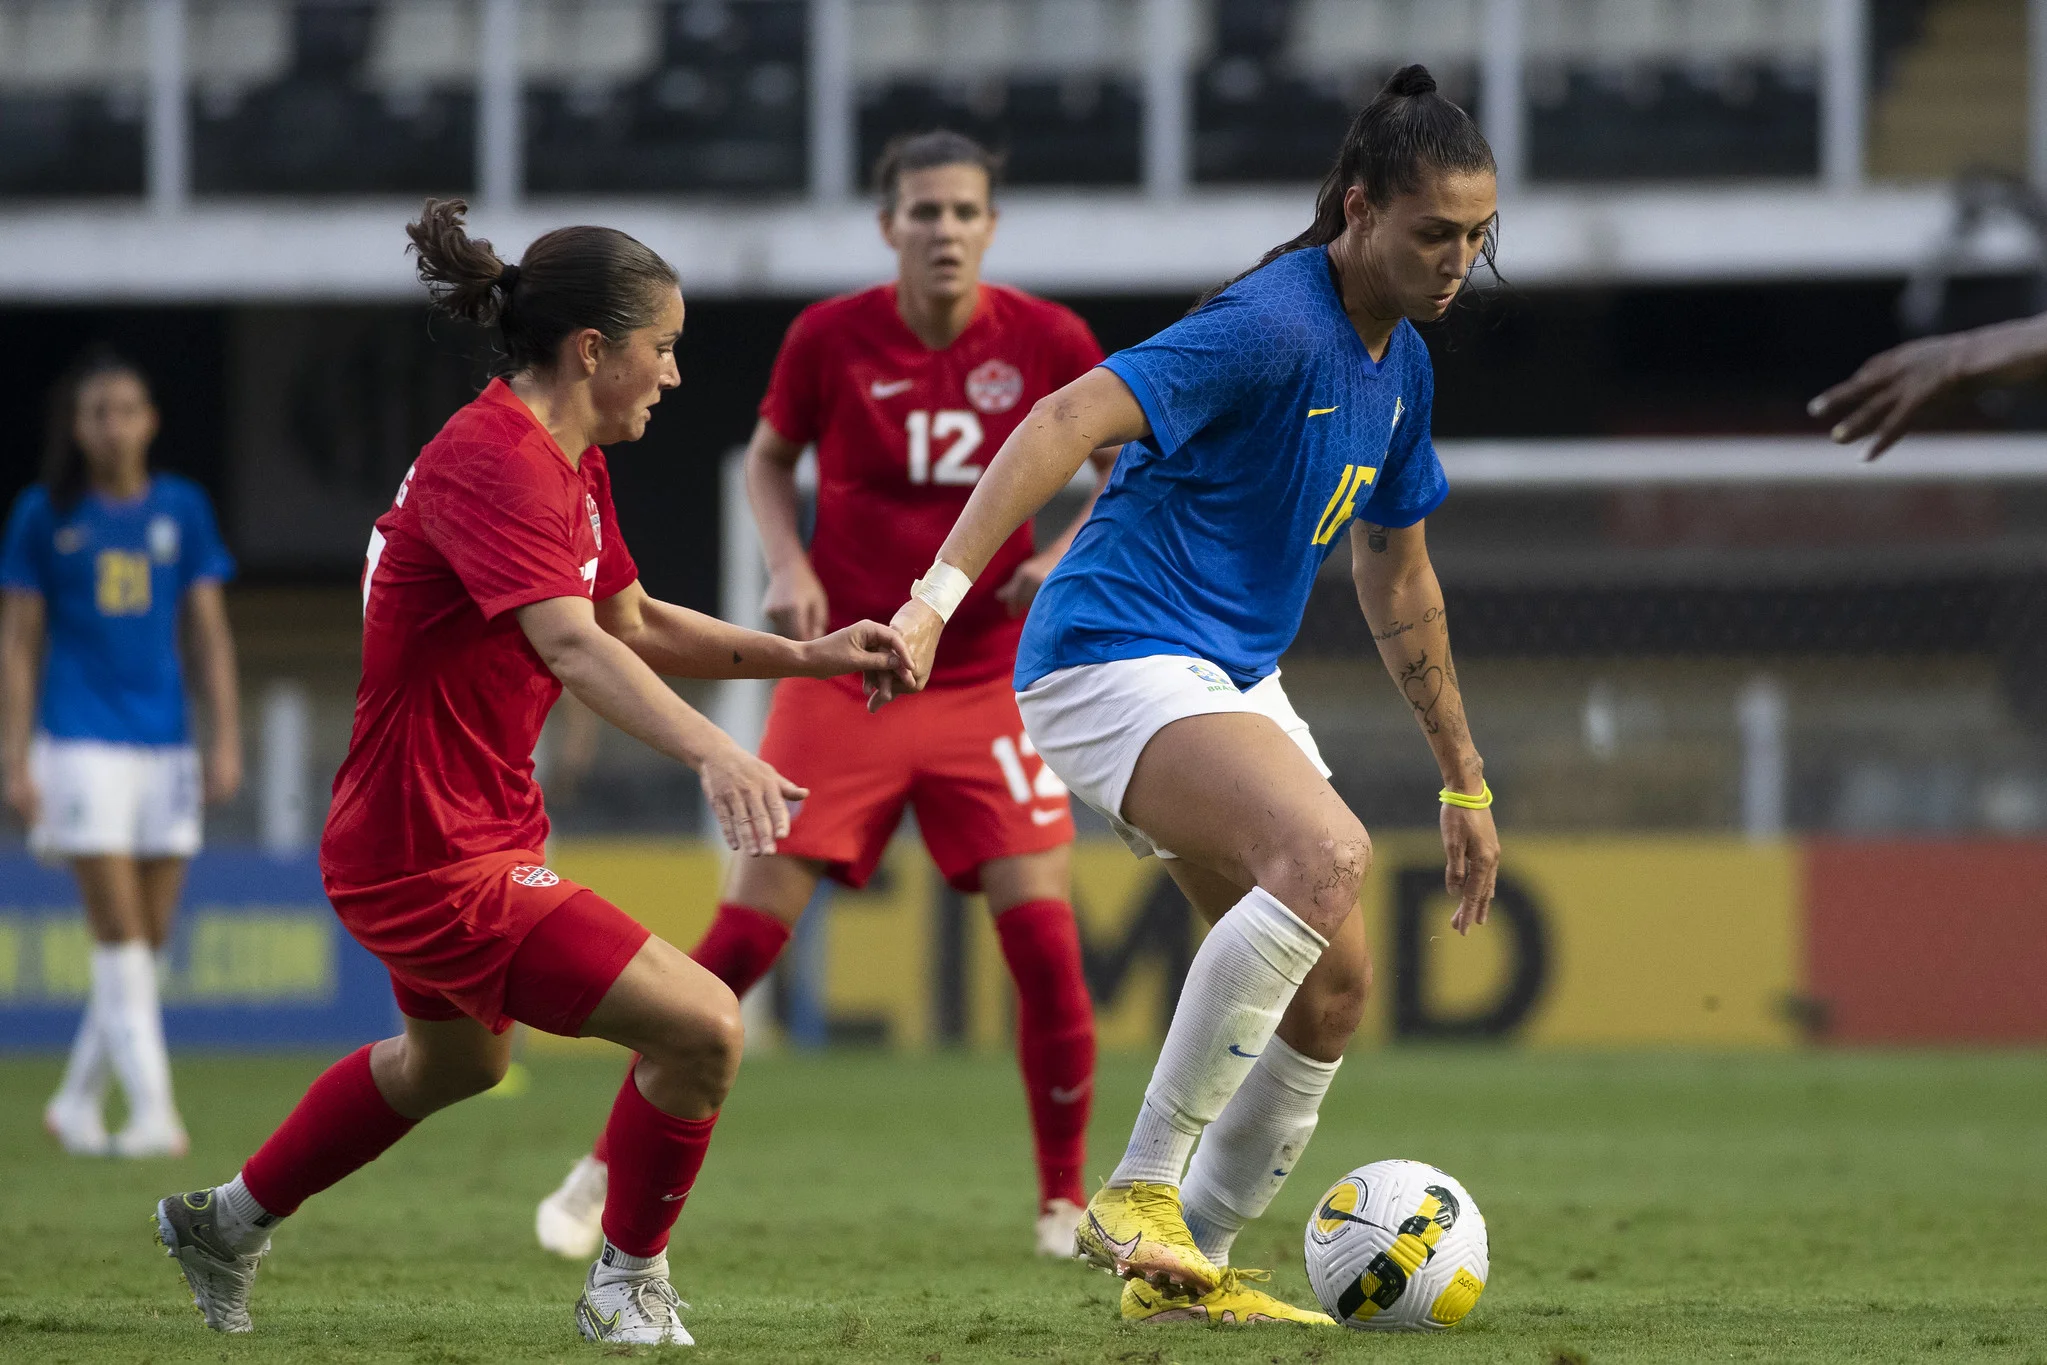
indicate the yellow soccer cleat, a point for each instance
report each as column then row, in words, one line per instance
column 1137, row 1231
column 1232, row 1303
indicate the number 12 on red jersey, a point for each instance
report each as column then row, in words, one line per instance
column 959, row 426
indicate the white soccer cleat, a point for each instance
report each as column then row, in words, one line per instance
column 636, row 1310
column 75, row 1123
column 570, row 1222
column 220, row 1280
column 150, row 1138
column 1056, row 1226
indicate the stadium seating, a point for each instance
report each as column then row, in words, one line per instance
column 334, row 96
column 1052, row 83
column 71, row 97
column 628, row 96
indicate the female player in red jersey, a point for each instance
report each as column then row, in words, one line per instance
column 906, row 389
column 497, row 578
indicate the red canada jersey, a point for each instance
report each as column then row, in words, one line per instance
column 491, row 517
column 902, row 434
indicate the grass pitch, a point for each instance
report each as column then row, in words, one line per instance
column 858, row 1207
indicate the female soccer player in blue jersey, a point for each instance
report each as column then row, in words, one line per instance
column 1291, row 406
column 100, row 562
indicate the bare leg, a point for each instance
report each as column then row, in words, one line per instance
column 161, row 882
column 125, row 1011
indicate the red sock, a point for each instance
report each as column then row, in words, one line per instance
column 343, row 1124
column 654, row 1161
column 741, row 946
column 1055, row 1037
column 739, row 949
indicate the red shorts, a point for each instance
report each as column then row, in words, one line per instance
column 452, row 940
column 958, row 755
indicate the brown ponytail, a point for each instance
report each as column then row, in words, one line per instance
column 569, row 279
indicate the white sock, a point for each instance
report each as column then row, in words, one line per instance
column 1246, row 1155
column 614, row 1265
column 242, row 1223
column 1239, row 985
column 133, row 1024
column 85, row 1073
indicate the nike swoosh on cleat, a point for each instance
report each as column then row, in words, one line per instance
column 881, row 390
column 1239, row 1052
column 1047, row 817
column 1122, row 1249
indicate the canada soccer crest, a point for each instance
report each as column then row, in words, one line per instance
column 528, row 874
column 995, row 386
column 596, row 522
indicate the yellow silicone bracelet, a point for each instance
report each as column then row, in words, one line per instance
column 1483, row 801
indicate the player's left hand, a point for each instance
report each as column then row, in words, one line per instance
column 1890, row 389
column 919, row 625
column 1471, row 864
column 223, row 772
column 1022, row 588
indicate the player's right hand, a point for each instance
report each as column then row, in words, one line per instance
column 750, row 799
column 795, row 604
column 919, row 625
column 22, row 796
column 865, row 647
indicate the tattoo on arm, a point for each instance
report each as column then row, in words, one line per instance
column 1375, row 538
column 1393, row 628
column 1424, row 685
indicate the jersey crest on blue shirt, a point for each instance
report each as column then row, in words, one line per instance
column 1272, row 430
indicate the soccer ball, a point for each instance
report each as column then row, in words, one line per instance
column 1397, row 1246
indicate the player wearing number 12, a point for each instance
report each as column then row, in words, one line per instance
column 906, row 389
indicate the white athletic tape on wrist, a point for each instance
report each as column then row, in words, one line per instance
column 941, row 588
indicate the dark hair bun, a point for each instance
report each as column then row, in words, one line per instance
column 1411, row 80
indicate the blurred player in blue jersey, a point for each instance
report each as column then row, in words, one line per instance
column 101, row 562
column 1290, row 408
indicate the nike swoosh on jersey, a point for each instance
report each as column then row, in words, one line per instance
column 1322, row 412
column 1046, row 817
column 881, row 390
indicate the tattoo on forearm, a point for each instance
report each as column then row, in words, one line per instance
column 1393, row 628
column 1425, row 684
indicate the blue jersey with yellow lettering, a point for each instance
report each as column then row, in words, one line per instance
column 112, row 576
column 1271, row 428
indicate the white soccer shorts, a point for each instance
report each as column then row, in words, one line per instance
column 101, row 798
column 1090, row 722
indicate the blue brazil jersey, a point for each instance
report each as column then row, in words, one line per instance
column 1271, row 428
column 112, row 576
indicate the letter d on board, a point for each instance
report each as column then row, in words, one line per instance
column 1515, row 913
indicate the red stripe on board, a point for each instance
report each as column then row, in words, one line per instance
column 1928, row 941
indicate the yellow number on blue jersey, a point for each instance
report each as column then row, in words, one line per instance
column 1343, row 501
column 123, row 583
